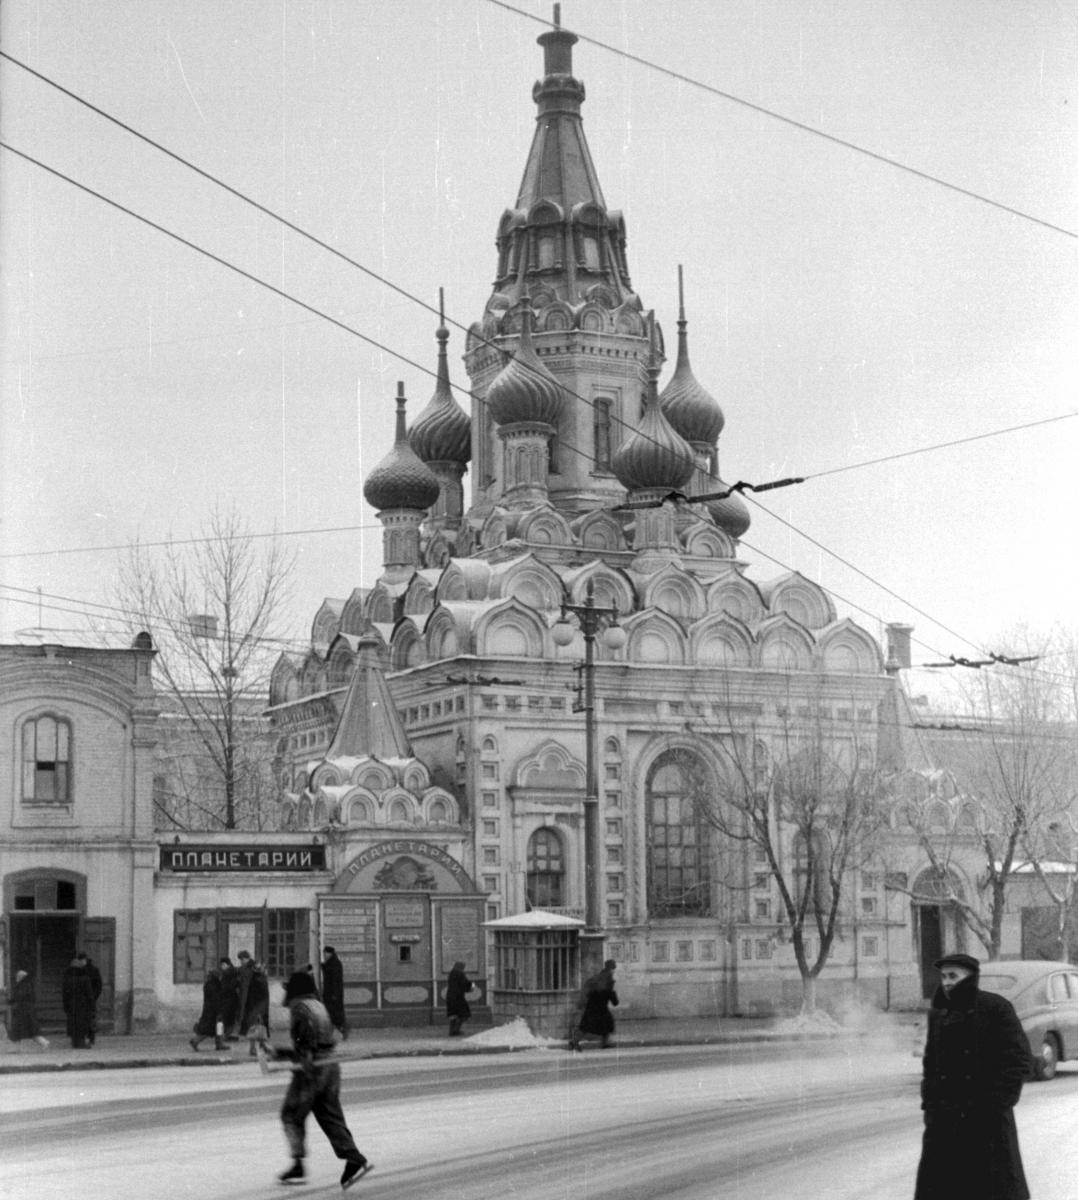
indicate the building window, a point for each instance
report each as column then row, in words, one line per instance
column 683, row 951
column 613, row 854
column 660, row 952
column 869, row 906
column 746, row 948
column 490, row 828
column 490, row 883
column 614, row 910
column 870, row 947
column 490, row 799
column 613, row 829
column 601, row 433
column 545, row 883
column 708, row 951
column 200, row 937
column 613, row 799
column 490, row 770
column 762, row 909
column 678, row 868
column 46, row 761
column 490, row 856
column 763, row 948
column 614, row 883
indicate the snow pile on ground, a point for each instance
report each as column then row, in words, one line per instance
column 515, row 1035
column 818, row 1022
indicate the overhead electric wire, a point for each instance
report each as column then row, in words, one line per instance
column 426, row 370
column 795, row 124
column 741, row 486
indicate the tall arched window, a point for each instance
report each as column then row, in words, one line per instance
column 46, row 761
column 545, row 885
column 679, row 868
column 601, row 434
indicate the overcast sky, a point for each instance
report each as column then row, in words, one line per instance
column 840, row 309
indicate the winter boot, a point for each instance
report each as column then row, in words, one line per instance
column 294, row 1174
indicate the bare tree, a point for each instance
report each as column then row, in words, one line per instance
column 806, row 796
column 1014, row 755
column 214, row 608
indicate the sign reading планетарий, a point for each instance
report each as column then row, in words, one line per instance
column 243, row 858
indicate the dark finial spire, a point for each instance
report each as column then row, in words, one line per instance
column 402, row 424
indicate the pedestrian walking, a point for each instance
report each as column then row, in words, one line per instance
column 457, row 1009
column 215, row 1003
column 254, row 1003
column 976, row 1059
column 96, row 985
column 23, row 1024
column 333, row 990
column 230, row 999
column 77, row 993
column 315, row 1086
column 596, row 1018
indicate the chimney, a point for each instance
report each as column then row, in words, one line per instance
column 898, row 647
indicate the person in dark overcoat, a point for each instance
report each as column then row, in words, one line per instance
column 596, row 1018
column 457, row 1008
column 333, row 990
column 23, row 1024
column 215, row 1000
column 230, row 998
column 976, row 1059
column 77, row 993
column 97, row 986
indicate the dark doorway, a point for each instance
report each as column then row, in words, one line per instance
column 931, row 937
column 44, row 945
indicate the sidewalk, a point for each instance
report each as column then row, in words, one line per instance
column 172, row 1049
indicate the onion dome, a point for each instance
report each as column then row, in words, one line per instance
column 730, row 514
column 443, row 431
column 656, row 455
column 524, row 390
column 689, row 407
column 402, row 479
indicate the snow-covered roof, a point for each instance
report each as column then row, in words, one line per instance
column 537, row 918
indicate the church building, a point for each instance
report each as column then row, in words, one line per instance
column 574, row 648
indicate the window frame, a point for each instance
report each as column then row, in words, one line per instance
column 31, row 767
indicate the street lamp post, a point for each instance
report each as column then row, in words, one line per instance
column 592, row 618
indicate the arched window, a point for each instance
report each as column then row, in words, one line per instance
column 679, row 874
column 545, row 885
column 46, row 761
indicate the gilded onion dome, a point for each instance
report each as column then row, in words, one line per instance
column 442, row 432
column 656, row 455
column 401, row 479
column 524, row 390
column 689, row 407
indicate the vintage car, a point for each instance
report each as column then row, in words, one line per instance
column 1045, row 997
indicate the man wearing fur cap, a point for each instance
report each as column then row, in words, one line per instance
column 316, row 1083
column 976, row 1058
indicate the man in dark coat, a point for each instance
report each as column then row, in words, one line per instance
column 976, row 1059
column 77, row 993
column 24, row 1012
column 457, row 1008
column 333, row 990
column 215, row 1002
column 596, row 1017
column 315, row 1087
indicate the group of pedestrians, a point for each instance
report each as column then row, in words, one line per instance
column 235, row 1004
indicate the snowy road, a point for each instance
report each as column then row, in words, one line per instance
column 700, row 1123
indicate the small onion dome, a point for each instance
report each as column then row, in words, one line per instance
column 402, row 479
column 731, row 514
column 689, row 407
column 442, row 432
column 524, row 390
column 656, row 455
